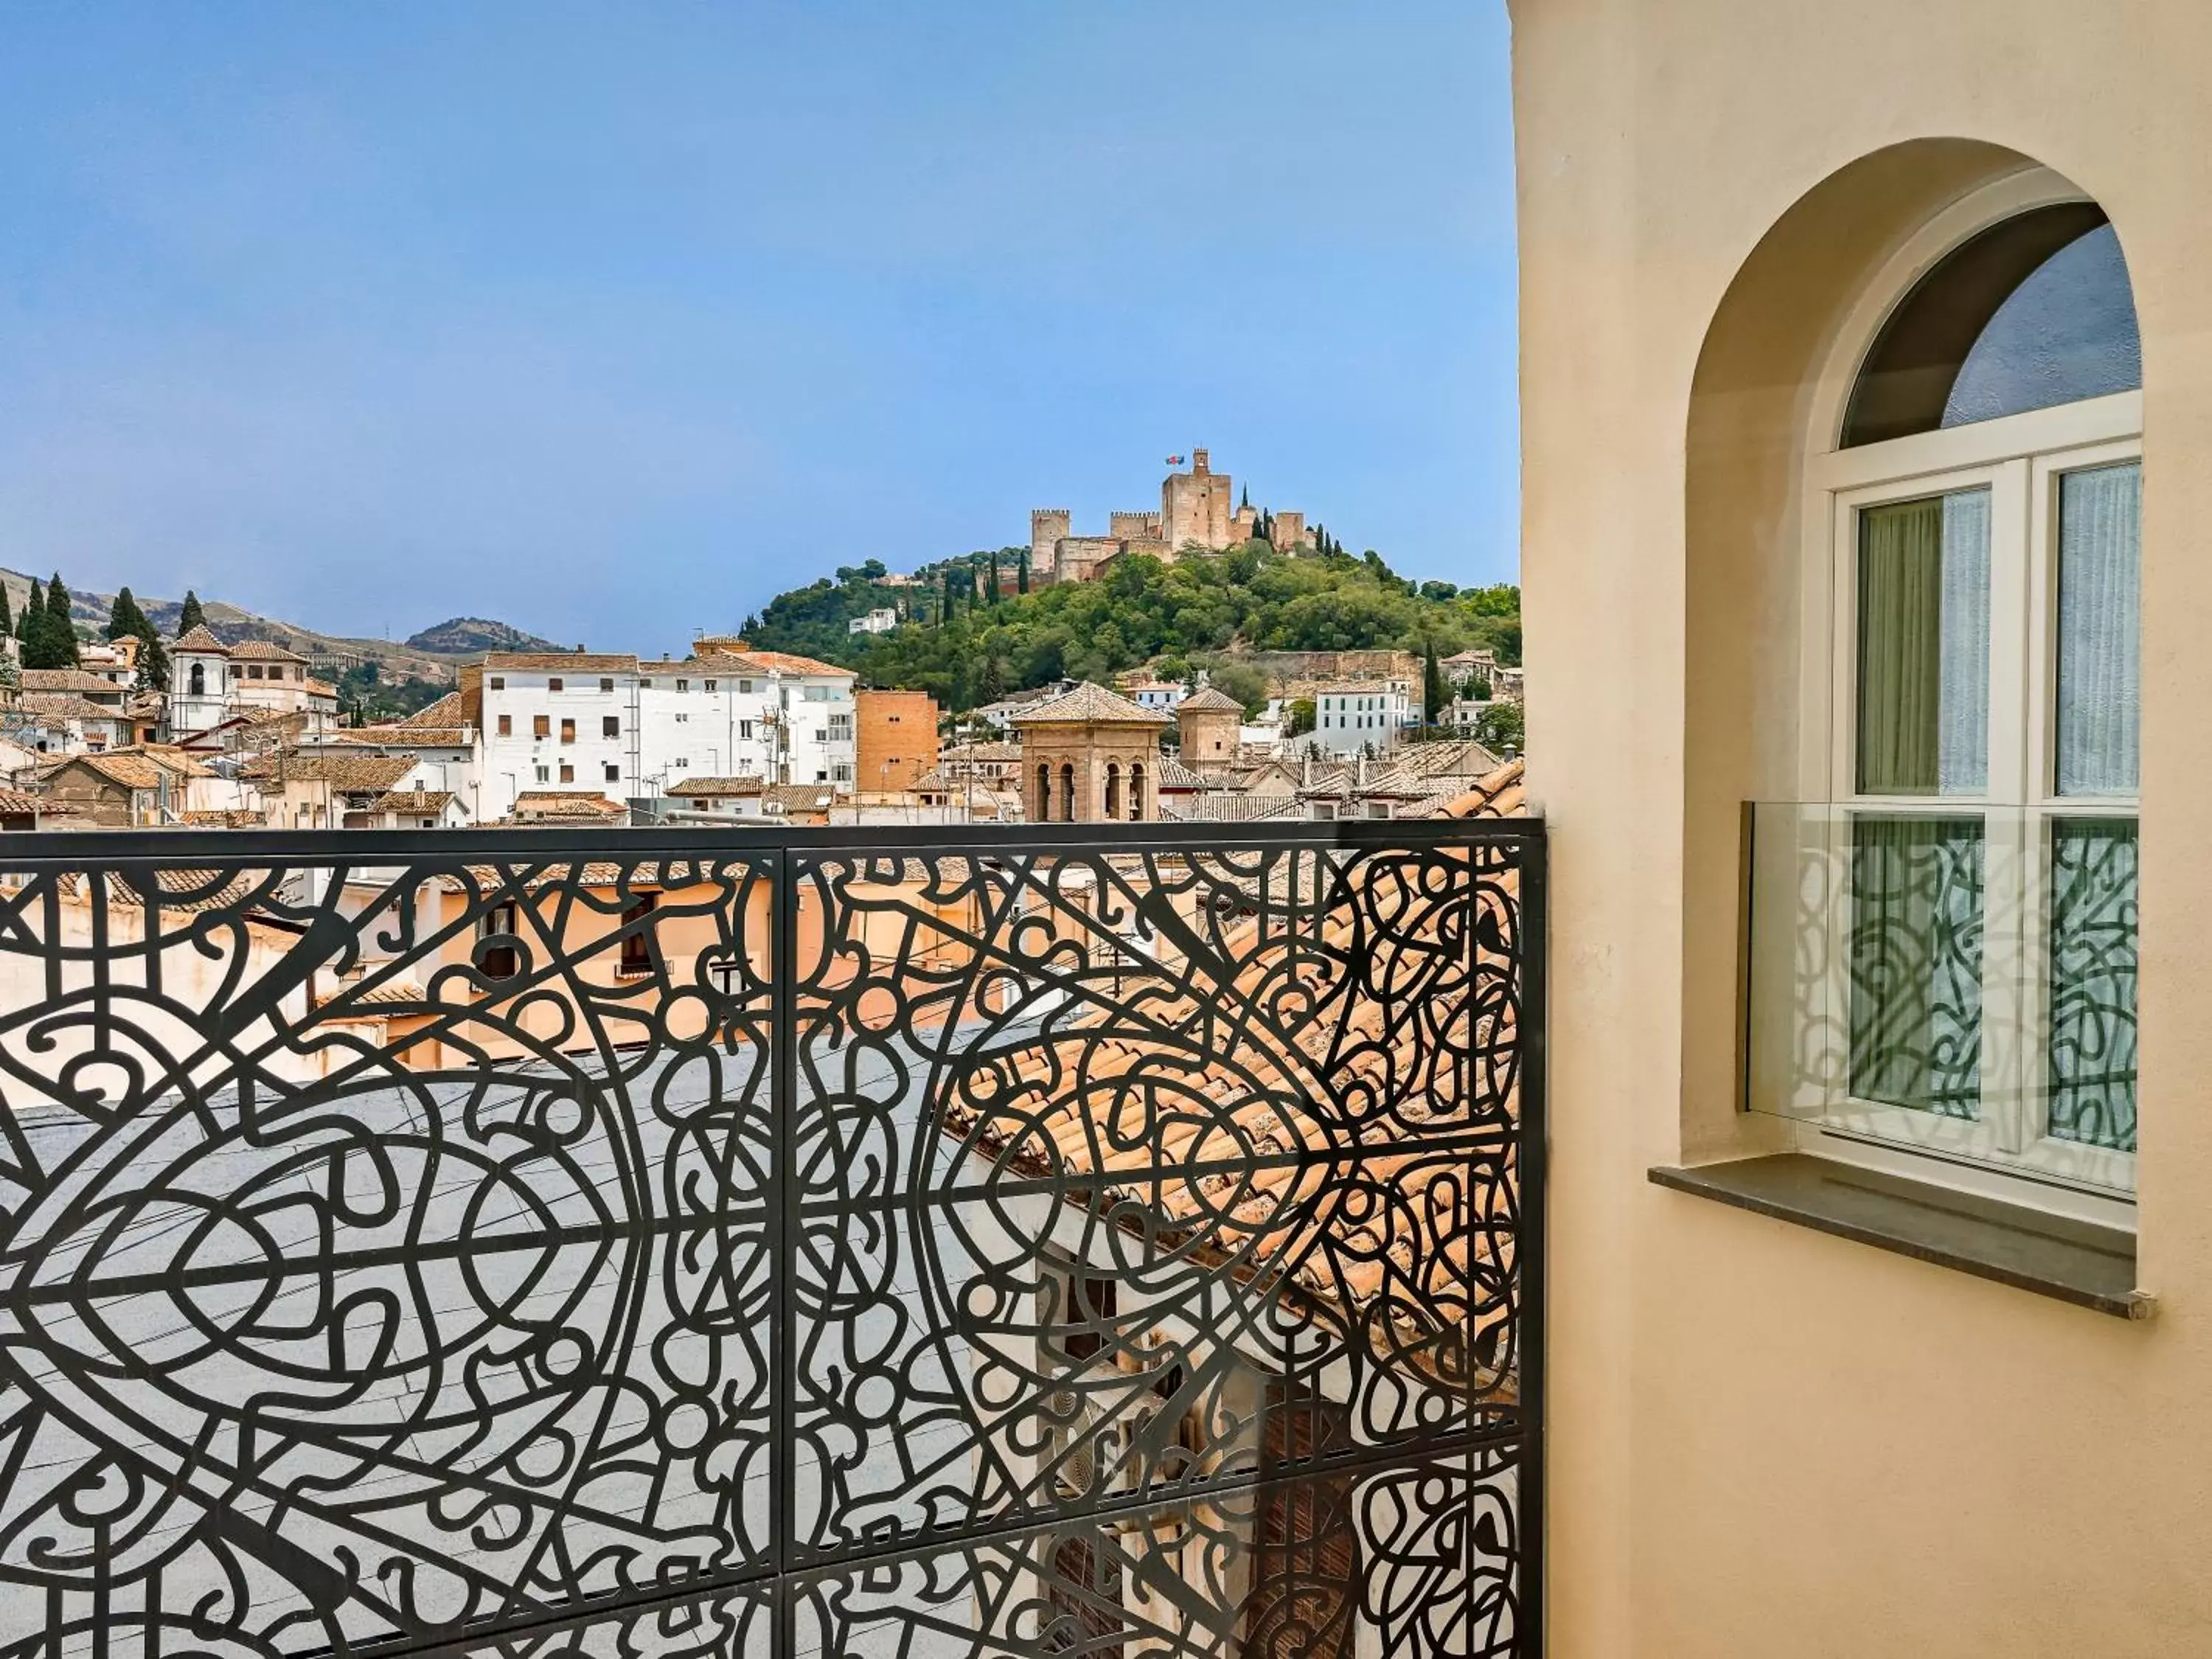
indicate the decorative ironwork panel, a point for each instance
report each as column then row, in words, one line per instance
column 578, row 1243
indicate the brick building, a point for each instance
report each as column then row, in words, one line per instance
column 895, row 740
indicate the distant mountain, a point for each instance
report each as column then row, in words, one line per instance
column 332, row 655
column 470, row 636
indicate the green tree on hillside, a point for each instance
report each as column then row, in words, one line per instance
column 191, row 616
column 124, row 616
column 50, row 639
column 1022, row 574
column 33, row 606
column 7, row 618
column 1432, row 685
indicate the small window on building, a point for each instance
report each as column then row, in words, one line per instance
column 745, row 688
column 506, row 726
column 611, row 726
column 567, row 730
column 541, row 725
column 613, row 774
column 645, row 685
column 541, row 773
column 497, row 955
column 637, row 936
column 606, row 683
column 555, row 684
column 568, row 772
column 710, row 685
column 499, row 682
column 683, row 686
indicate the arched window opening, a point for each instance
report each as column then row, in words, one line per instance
column 1066, row 794
column 2034, row 312
column 1136, row 793
column 1114, row 788
column 198, row 679
column 1968, row 575
column 1044, row 794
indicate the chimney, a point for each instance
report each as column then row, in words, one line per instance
column 1305, row 778
column 1363, row 769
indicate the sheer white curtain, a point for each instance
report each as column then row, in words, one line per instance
column 2099, row 629
column 1962, row 735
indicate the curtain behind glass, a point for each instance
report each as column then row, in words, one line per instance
column 2099, row 629
column 1923, row 645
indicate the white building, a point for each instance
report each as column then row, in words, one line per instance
column 210, row 682
column 1161, row 696
column 881, row 620
column 634, row 728
column 1351, row 716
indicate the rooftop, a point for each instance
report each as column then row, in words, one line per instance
column 1090, row 705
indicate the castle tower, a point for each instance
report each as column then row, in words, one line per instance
column 1091, row 756
column 1049, row 526
column 1210, row 722
column 1198, row 505
column 1289, row 529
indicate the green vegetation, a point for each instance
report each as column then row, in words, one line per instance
column 364, row 696
column 125, row 620
column 190, row 615
column 1202, row 610
column 45, row 628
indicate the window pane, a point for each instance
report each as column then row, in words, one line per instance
column 1916, row 963
column 1923, row 645
column 2100, row 606
column 2093, row 982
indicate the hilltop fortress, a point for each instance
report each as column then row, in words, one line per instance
column 1196, row 510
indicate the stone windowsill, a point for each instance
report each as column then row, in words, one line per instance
column 2075, row 1261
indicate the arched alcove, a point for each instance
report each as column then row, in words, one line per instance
column 1866, row 312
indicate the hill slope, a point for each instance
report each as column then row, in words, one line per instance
column 1250, row 599
column 470, row 637
column 332, row 653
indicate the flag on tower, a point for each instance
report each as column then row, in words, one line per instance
column 1175, row 460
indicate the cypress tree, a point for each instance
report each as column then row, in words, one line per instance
column 1022, row 574
column 1432, row 685
column 7, row 620
column 950, row 599
column 125, row 619
column 34, row 608
column 153, row 661
column 61, row 625
column 191, row 616
column 995, row 579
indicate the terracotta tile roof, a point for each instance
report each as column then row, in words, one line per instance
column 321, row 688
column 554, row 662
column 15, row 803
column 573, row 805
column 450, row 710
column 68, row 706
column 1496, row 796
column 352, row 773
column 740, row 786
column 1090, row 705
column 128, row 770
column 238, row 818
column 202, row 639
column 785, row 662
column 413, row 802
column 68, row 679
column 798, row 797
column 1172, row 774
column 1208, row 700
column 263, row 651
column 979, row 753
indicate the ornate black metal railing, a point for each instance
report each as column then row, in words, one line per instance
column 960, row 1241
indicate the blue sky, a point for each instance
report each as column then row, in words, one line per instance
column 612, row 320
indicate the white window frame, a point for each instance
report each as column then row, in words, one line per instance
column 2020, row 459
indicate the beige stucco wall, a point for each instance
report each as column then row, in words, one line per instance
column 1766, row 1441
